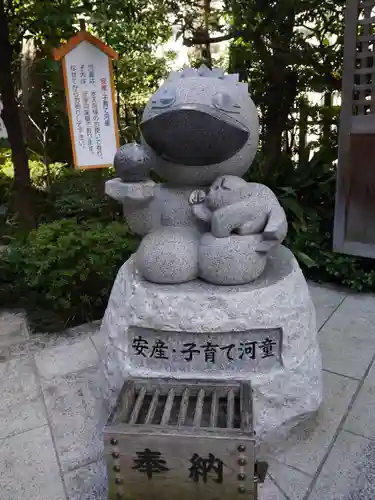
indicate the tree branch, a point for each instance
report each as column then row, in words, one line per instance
column 198, row 40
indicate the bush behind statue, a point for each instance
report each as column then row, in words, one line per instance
column 64, row 271
column 59, row 192
column 81, row 194
column 306, row 190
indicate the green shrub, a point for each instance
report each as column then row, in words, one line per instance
column 59, row 192
column 40, row 174
column 63, row 273
column 39, row 187
column 307, row 193
column 80, row 194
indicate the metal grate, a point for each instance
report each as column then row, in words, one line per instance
column 187, row 405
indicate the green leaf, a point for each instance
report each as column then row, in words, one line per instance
column 292, row 204
column 305, row 259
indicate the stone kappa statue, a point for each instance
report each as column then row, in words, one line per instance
column 200, row 134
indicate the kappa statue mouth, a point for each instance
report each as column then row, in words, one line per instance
column 194, row 135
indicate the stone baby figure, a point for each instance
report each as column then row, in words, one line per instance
column 248, row 214
column 199, row 133
column 238, row 213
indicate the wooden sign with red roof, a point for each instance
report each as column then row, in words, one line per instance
column 90, row 98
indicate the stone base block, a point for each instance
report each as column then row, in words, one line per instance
column 264, row 332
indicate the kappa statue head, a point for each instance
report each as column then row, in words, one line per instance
column 201, row 124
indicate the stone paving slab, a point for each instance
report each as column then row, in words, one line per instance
column 15, row 419
column 38, row 342
column 307, row 446
column 292, row 482
column 64, row 359
column 29, row 468
column 21, row 405
column 347, row 339
column 349, row 473
column 78, row 409
column 13, row 328
column 361, row 419
column 88, row 482
column 68, row 337
column 269, row 491
column 19, row 382
column 326, row 301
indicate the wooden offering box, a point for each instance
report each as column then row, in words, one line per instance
column 182, row 440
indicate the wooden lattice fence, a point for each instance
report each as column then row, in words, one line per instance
column 355, row 199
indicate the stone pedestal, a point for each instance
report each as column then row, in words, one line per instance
column 263, row 332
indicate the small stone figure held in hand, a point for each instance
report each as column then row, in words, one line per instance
column 132, row 163
column 199, row 129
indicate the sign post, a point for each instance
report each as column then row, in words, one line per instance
column 90, row 98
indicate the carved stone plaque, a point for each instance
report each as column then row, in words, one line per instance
column 252, row 350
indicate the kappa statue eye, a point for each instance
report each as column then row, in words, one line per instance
column 163, row 99
column 224, row 102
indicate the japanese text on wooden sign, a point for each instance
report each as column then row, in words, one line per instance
column 90, row 99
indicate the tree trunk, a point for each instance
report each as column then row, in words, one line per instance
column 12, row 121
column 327, row 118
column 118, row 100
column 279, row 102
column 303, row 125
column 268, row 46
column 206, row 50
column 31, row 86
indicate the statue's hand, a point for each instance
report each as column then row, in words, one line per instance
column 200, row 209
column 276, row 227
column 267, row 243
column 269, row 240
column 238, row 217
column 202, row 212
column 254, row 226
column 132, row 193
